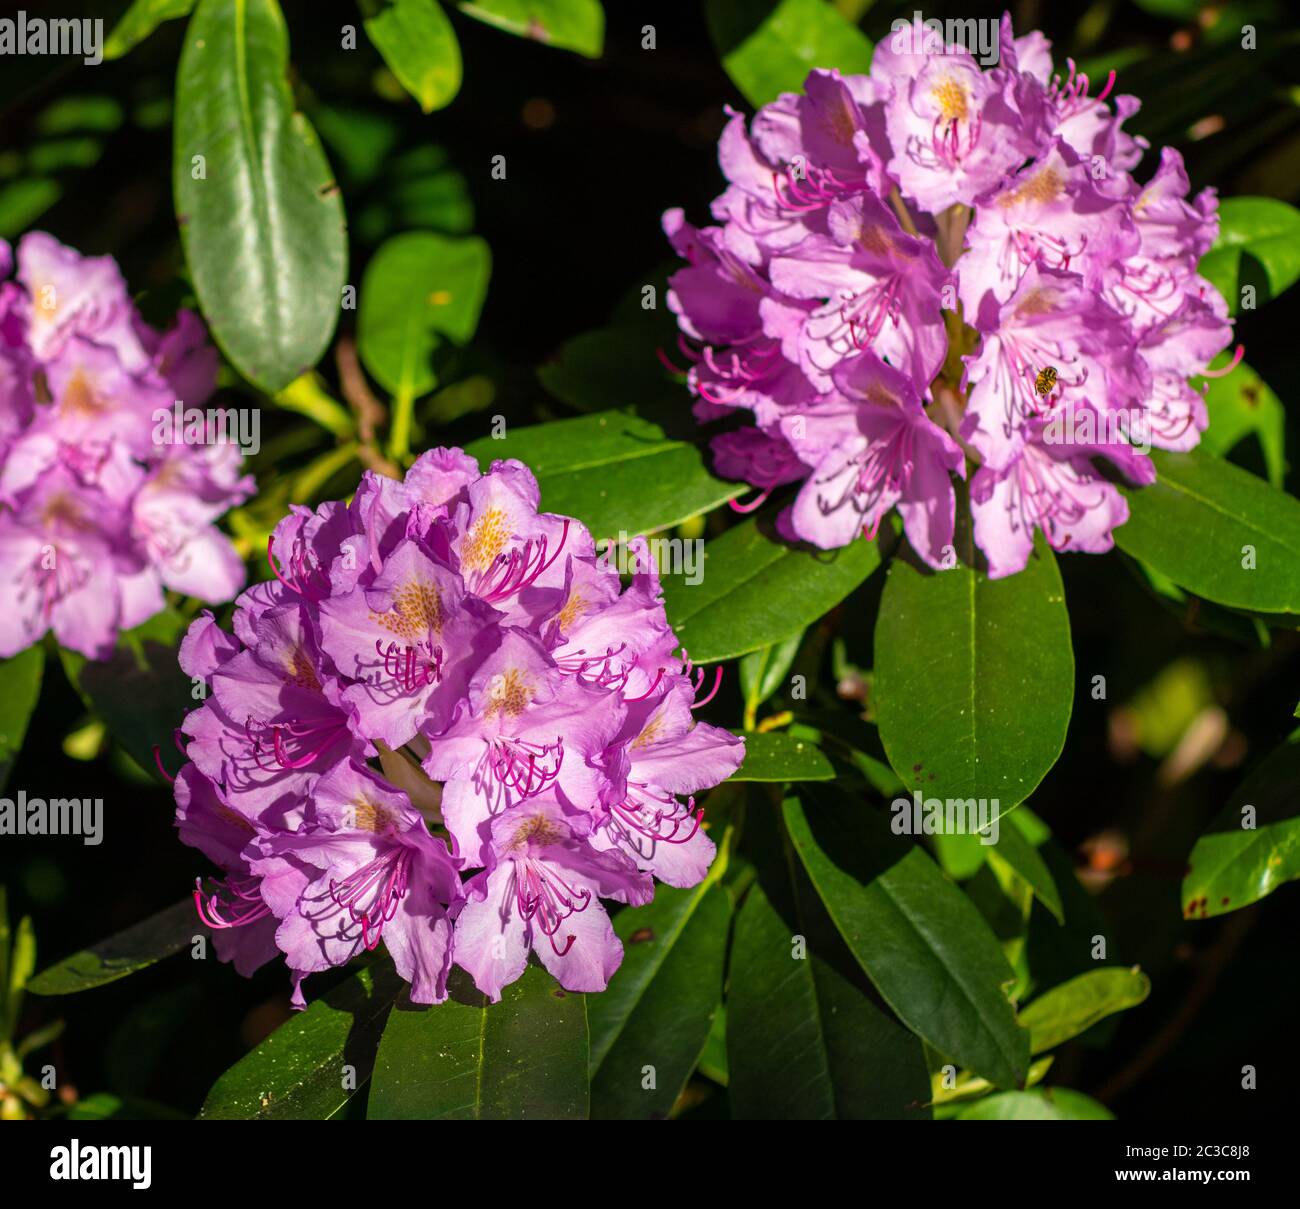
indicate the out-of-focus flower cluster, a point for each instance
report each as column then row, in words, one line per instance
column 441, row 679
column 937, row 263
column 97, row 516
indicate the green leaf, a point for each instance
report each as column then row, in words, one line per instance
column 569, row 24
column 1258, row 245
column 1075, row 1006
column 1023, row 858
column 769, row 46
column 104, row 1106
column 757, row 590
column 136, row 948
column 1048, row 1104
column 1233, row 865
column 262, row 220
column 420, row 47
column 763, row 671
column 1194, row 523
column 805, row 1041
column 298, row 1072
column 1242, row 404
column 773, row 756
column 659, row 1006
column 418, row 288
column 20, row 688
column 524, row 1058
column 615, row 472
column 139, row 21
column 974, row 679
column 140, row 692
column 612, row 365
column 920, row 940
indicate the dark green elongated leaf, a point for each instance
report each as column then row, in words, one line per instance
column 615, row 472
column 778, row 757
column 1075, row 1006
column 805, row 1041
column 140, row 692
column 659, row 1006
column 762, row 672
column 920, row 940
column 310, row 1067
column 1240, row 405
column 1047, row 1104
column 260, row 215
column 769, row 46
column 983, row 711
column 569, row 24
column 420, row 47
column 20, row 688
column 1258, row 245
column 757, row 590
column 612, row 365
column 136, row 948
column 1195, row 522
column 104, row 1106
column 1023, row 858
column 418, row 288
column 139, row 21
column 1234, row 865
column 524, row 1058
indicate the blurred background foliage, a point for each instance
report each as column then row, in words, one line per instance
column 596, row 149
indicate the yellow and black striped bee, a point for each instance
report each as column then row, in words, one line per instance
column 1045, row 383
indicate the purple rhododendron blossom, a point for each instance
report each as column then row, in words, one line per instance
column 944, row 269
column 97, row 518
column 448, row 727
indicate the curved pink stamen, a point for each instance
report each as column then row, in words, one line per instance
column 1227, row 369
column 717, row 684
column 757, row 502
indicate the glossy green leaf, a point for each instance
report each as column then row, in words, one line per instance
column 757, row 590
column 524, row 1058
column 139, row 21
column 920, row 940
column 260, row 215
column 769, row 46
column 659, row 1006
column 1241, row 405
column 974, row 679
column 1235, row 864
column 1023, row 858
column 805, row 1040
column 569, row 24
column 1047, row 1104
column 1258, row 245
column 420, row 47
column 1075, row 1006
column 136, row 948
column 1194, row 525
column 419, row 288
column 20, row 688
column 298, row 1072
column 615, row 472
column 774, row 756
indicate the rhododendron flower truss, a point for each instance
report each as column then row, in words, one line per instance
column 98, row 515
column 444, row 726
column 912, row 272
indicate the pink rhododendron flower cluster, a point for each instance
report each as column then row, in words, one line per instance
column 96, row 517
column 436, row 652
column 938, row 265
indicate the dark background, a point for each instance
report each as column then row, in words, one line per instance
column 595, row 152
